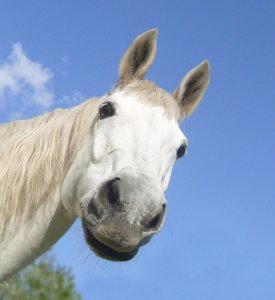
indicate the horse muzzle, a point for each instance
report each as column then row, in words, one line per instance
column 124, row 214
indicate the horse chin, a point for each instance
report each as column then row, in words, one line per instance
column 105, row 251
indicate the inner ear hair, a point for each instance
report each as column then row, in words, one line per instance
column 192, row 88
column 138, row 57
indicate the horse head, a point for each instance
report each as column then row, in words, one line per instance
column 117, row 182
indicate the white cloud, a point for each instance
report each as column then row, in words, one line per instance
column 26, row 79
column 65, row 59
column 75, row 98
column 26, row 86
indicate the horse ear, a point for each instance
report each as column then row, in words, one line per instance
column 138, row 57
column 192, row 88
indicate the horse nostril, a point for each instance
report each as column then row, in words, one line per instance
column 154, row 222
column 113, row 191
column 92, row 210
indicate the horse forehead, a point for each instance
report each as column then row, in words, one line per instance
column 146, row 121
column 151, row 96
column 137, row 110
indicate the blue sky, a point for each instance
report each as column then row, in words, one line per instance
column 218, row 241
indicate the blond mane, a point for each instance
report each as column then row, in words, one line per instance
column 35, row 156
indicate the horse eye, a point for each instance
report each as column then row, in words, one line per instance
column 106, row 110
column 181, row 151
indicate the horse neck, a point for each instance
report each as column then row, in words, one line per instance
column 32, row 216
column 36, row 236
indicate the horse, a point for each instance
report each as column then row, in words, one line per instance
column 107, row 161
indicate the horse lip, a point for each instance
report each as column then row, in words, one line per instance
column 105, row 251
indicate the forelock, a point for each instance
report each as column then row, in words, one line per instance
column 149, row 93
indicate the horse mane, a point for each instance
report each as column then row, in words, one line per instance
column 35, row 156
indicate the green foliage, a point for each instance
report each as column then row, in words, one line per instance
column 41, row 280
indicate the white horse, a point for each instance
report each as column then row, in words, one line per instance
column 107, row 161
